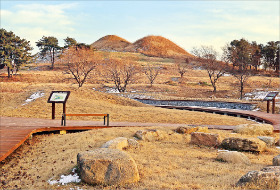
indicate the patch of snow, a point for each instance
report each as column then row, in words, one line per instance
column 64, row 179
column 112, row 90
column 226, row 75
column 76, row 188
column 223, row 150
column 33, row 97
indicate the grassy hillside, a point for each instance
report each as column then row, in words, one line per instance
column 111, row 43
column 87, row 100
column 157, row 46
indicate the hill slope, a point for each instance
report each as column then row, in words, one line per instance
column 111, row 43
column 157, row 46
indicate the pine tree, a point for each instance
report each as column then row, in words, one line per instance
column 14, row 51
column 49, row 47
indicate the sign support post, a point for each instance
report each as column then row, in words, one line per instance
column 271, row 97
column 58, row 97
column 53, row 110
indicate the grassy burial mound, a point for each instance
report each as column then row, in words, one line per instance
column 111, row 43
column 157, row 46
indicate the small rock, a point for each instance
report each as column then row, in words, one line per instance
column 271, row 169
column 132, row 143
column 276, row 161
column 104, row 166
column 244, row 144
column 121, row 143
column 117, row 143
column 269, row 141
column 277, row 143
column 151, row 135
column 233, row 157
column 254, row 129
column 189, row 130
column 207, row 139
column 267, row 178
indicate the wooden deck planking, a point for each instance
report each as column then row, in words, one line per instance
column 14, row 133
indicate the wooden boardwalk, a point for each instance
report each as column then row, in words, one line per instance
column 15, row 131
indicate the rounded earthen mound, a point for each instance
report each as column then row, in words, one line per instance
column 157, row 46
column 111, row 43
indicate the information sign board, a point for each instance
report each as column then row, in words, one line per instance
column 58, row 96
column 270, row 96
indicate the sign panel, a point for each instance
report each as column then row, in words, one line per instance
column 58, row 96
column 270, row 96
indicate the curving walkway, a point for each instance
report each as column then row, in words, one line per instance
column 15, row 131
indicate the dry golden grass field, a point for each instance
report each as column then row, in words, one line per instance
column 169, row 164
column 172, row 163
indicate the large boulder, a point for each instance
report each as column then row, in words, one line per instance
column 107, row 167
column 269, row 141
column 276, row 160
column 120, row 143
column 243, row 144
column 254, row 129
column 267, row 178
column 151, row 135
column 207, row 139
column 233, row 157
column 189, row 129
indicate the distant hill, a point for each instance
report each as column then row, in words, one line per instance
column 156, row 46
column 111, row 43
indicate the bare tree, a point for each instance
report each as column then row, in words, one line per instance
column 151, row 73
column 182, row 65
column 80, row 62
column 120, row 72
column 207, row 57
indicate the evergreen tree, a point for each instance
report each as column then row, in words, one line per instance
column 69, row 42
column 49, row 48
column 270, row 53
column 14, row 51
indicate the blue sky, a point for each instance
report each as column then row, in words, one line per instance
column 187, row 23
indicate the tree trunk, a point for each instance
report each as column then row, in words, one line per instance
column 9, row 72
column 52, row 59
column 241, row 90
column 215, row 88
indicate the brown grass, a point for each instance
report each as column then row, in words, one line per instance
column 157, row 46
column 168, row 164
column 89, row 101
column 172, row 163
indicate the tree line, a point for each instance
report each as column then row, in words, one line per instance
column 240, row 58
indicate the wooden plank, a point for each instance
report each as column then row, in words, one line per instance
column 80, row 114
